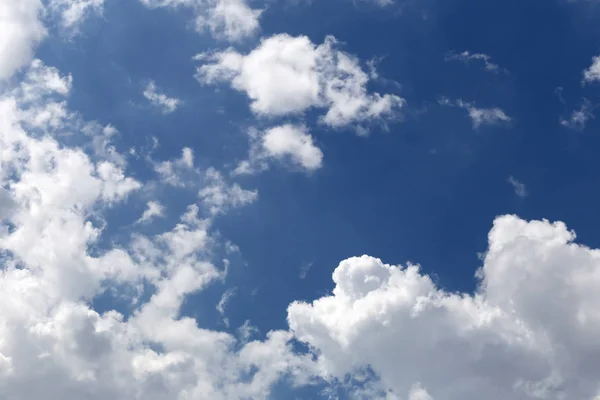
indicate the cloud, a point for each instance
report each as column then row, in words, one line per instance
column 592, row 73
column 54, row 344
column 520, row 189
column 315, row 75
column 160, row 100
column 284, row 142
column 219, row 197
column 72, row 13
column 466, row 57
column 227, row 295
column 20, row 32
column 304, row 270
column 178, row 172
column 579, row 118
column 233, row 20
column 154, row 209
column 528, row 332
column 480, row 116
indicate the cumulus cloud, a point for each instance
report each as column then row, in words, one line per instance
column 579, row 118
column 480, row 116
column 315, row 76
column 528, row 332
column 466, row 57
column 284, row 142
column 20, row 32
column 160, row 100
column 233, row 20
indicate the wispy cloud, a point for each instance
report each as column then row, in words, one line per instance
column 225, row 298
column 519, row 187
column 467, row 57
column 579, row 118
column 479, row 116
column 160, row 100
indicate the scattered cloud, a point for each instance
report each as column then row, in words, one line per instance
column 54, row 345
column 177, row 172
column 519, row 187
column 284, row 142
column 72, row 13
column 154, row 209
column 232, row 20
column 316, row 76
column 466, row 57
column 218, row 196
column 160, row 100
column 479, row 116
column 579, row 118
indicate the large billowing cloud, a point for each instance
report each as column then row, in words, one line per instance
column 287, row 75
column 530, row 331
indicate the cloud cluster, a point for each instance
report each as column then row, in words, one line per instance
column 287, row 75
column 529, row 332
column 54, row 344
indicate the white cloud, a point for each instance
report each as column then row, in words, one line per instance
column 20, row 32
column 579, row 118
column 177, row 172
column 160, row 100
column 480, row 116
column 225, row 297
column 154, row 209
column 54, row 345
column 284, row 142
column 218, row 196
column 73, row 12
column 592, row 73
column 519, row 187
column 467, row 57
column 316, row 76
column 528, row 332
column 233, row 20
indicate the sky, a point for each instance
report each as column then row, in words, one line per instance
column 294, row 199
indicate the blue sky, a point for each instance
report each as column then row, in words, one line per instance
column 228, row 199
